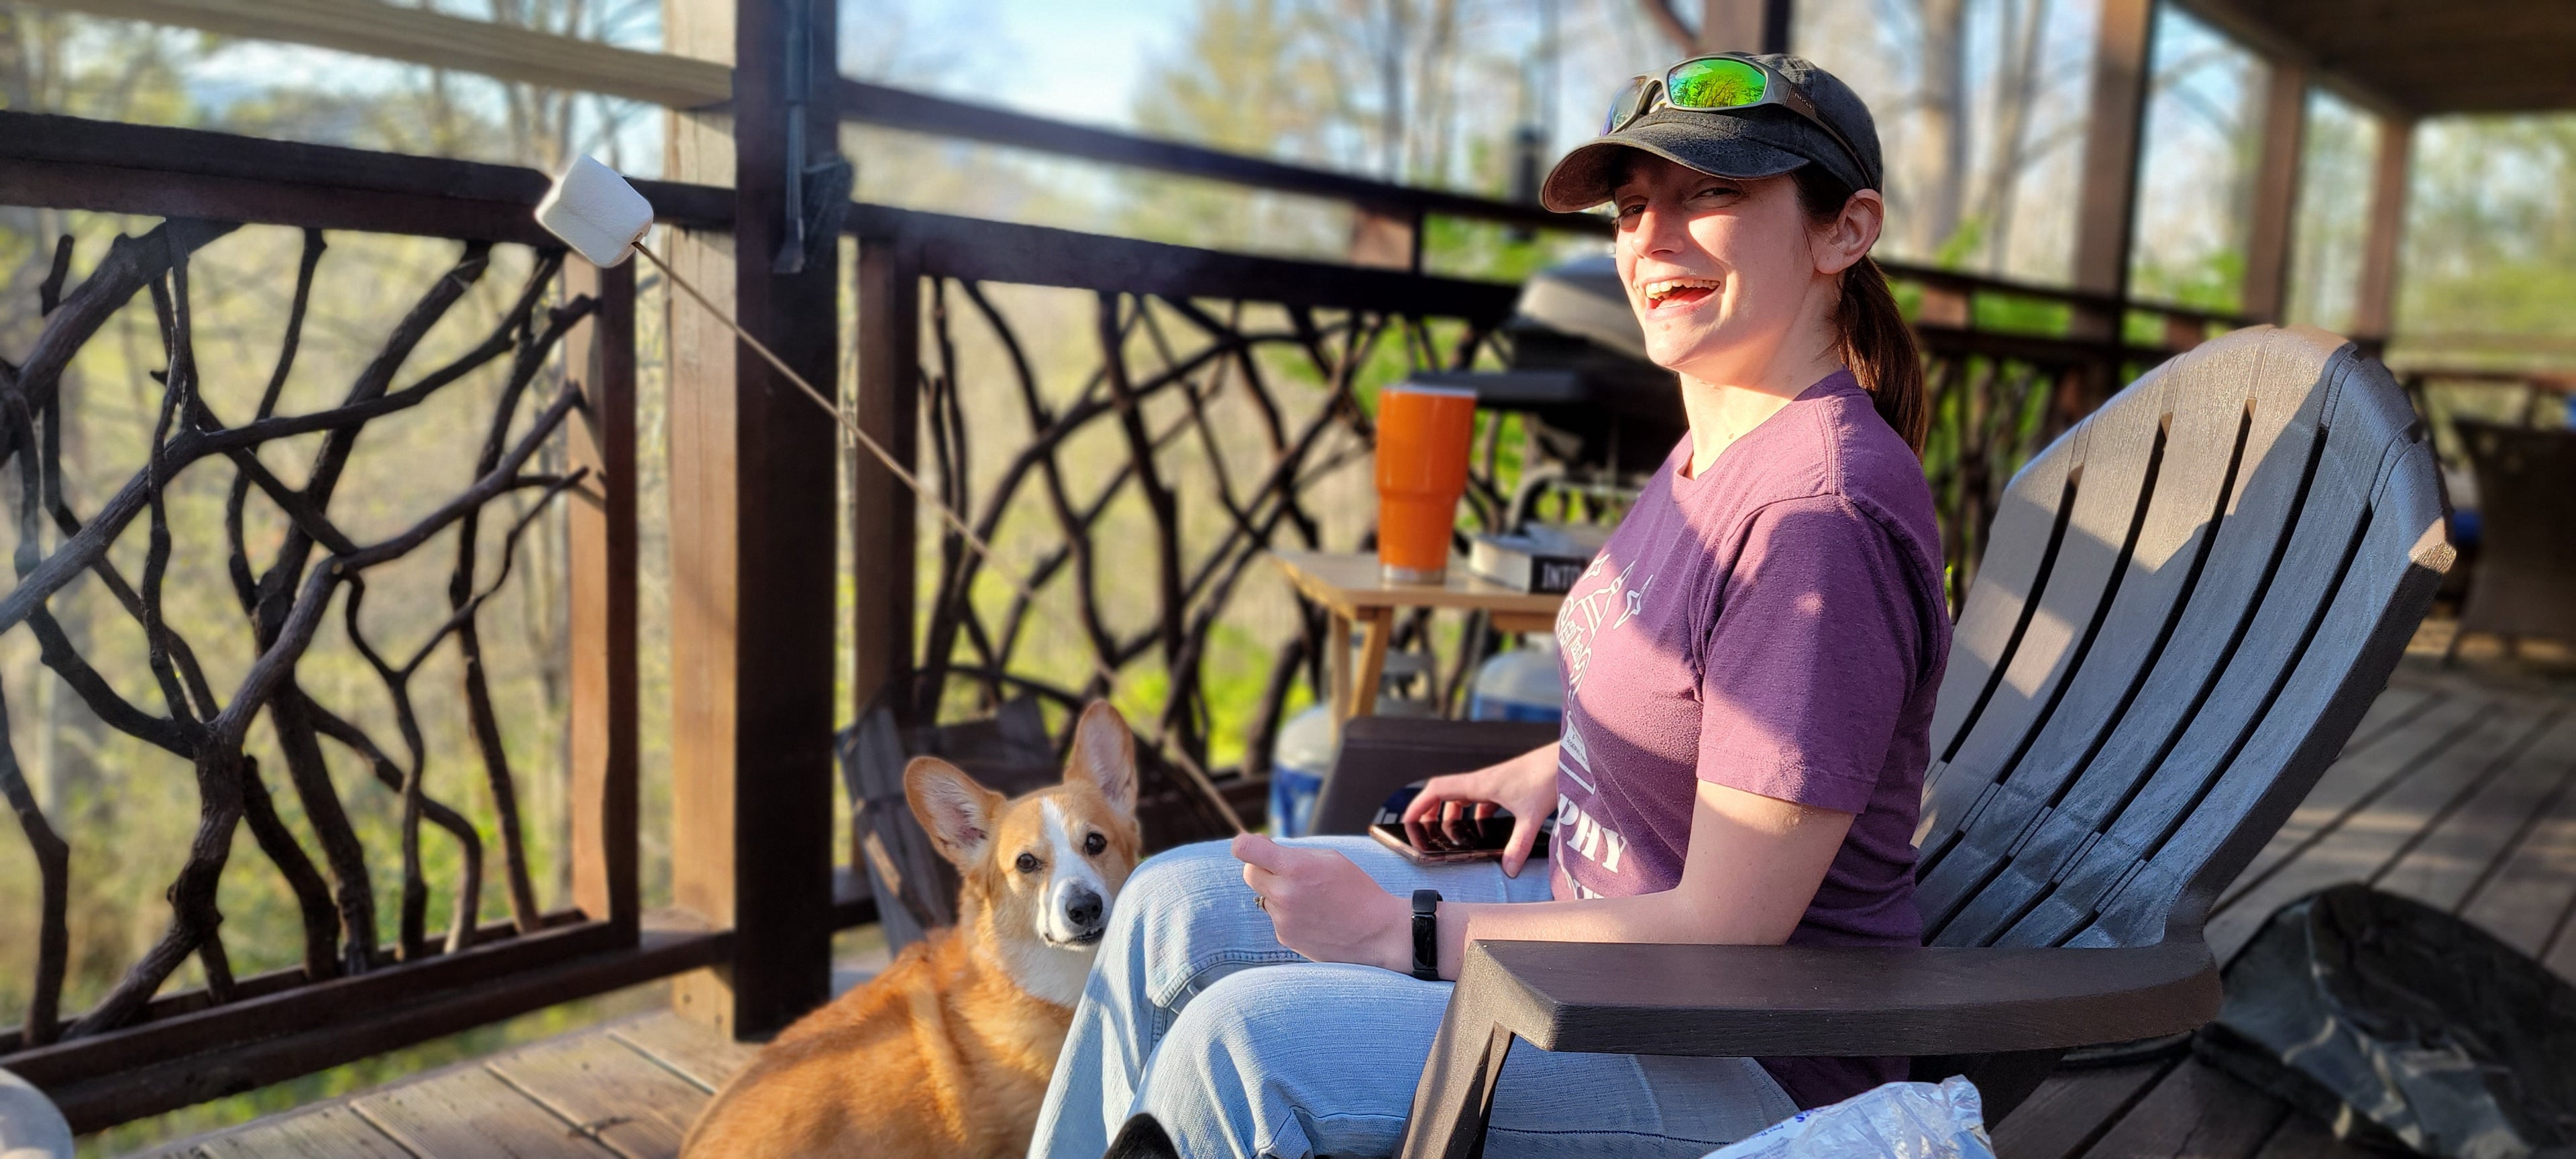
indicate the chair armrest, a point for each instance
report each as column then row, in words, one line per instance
column 1786, row 1000
column 1814, row 1000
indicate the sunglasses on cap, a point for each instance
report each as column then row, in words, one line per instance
column 1724, row 83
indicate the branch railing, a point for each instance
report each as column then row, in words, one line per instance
column 1220, row 395
column 556, row 444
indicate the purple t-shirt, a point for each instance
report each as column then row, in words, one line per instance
column 1775, row 625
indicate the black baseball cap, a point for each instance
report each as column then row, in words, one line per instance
column 1760, row 141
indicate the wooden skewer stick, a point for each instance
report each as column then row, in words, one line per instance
column 1108, row 676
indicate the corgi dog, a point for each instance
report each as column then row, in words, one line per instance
column 948, row 1052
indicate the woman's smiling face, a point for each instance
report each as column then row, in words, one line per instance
column 1718, row 269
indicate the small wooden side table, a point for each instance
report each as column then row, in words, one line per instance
column 1349, row 586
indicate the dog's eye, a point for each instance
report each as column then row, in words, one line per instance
column 1028, row 863
column 1094, row 843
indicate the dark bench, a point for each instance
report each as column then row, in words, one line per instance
column 2188, row 601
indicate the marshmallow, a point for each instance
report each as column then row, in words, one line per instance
column 596, row 212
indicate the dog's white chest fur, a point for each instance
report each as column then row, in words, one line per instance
column 1048, row 972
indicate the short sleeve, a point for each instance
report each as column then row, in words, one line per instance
column 1811, row 659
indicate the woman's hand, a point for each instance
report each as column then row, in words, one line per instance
column 1525, row 784
column 1326, row 907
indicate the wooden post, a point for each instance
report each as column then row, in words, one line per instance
column 601, row 527
column 1386, row 237
column 2374, row 310
column 1744, row 25
column 752, row 473
column 2276, row 191
column 2107, row 198
column 2182, row 333
column 882, row 509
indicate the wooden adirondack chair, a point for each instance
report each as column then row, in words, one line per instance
column 2187, row 603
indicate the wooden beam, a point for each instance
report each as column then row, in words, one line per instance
column 2241, row 23
column 602, row 533
column 229, row 1049
column 1386, row 239
column 2106, row 207
column 752, row 537
column 418, row 36
column 2276, row 191
column 2374, row 311
column 882, row 530
column 999, row 251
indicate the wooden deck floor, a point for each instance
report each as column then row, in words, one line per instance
column 2458, row 790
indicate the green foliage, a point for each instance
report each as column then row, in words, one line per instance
column 2491, row 238
column 2210, row 280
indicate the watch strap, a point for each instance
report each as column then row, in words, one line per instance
column 1426, row 934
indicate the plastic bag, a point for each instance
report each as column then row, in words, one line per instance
column 2404, row 1026
column 30, row 1127
column 1899, row 1120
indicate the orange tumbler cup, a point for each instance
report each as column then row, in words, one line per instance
column 1422, row 436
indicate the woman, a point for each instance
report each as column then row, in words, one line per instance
column 1749, row 667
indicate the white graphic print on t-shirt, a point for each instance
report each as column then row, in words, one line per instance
column 1579, row 623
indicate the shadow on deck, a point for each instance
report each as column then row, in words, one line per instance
column 2459, row 789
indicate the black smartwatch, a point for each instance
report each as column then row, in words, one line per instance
column 1426, row 934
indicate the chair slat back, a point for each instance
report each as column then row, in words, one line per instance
column 2188, row 601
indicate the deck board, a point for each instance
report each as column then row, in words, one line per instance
column 2527, row 898
column 330, row 1132
column 2364, row 773
column 469, row 1112
column 2072, row 1109
column 2194, row 1112
column 686, row 1048
column 2455, row 791
column 2361, row 842
column 2454, row 852
column 2301, row 1137
column 609, row 1089
column 2463, row 797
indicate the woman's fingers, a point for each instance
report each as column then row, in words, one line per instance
column 1524, row 838
column 1436, row 793
column 1258, row 849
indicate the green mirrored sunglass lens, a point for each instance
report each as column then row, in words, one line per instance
column 1716, row 84
column 1624, row 105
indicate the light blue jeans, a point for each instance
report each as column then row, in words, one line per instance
column 1303, row 1058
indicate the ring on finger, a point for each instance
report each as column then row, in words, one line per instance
column 1261, row 903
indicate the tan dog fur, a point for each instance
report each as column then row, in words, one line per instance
column 947, row 1053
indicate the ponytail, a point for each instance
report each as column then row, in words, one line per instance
column 1876, row 342
column 1879, row 347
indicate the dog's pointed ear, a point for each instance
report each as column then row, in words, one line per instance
column 958, row 812
column 1104, row 754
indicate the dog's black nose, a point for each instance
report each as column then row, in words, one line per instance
column 1084, row 911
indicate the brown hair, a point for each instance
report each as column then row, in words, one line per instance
column 1876, row 342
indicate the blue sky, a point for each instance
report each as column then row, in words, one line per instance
column 1078, row 61
column 1090, row 54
